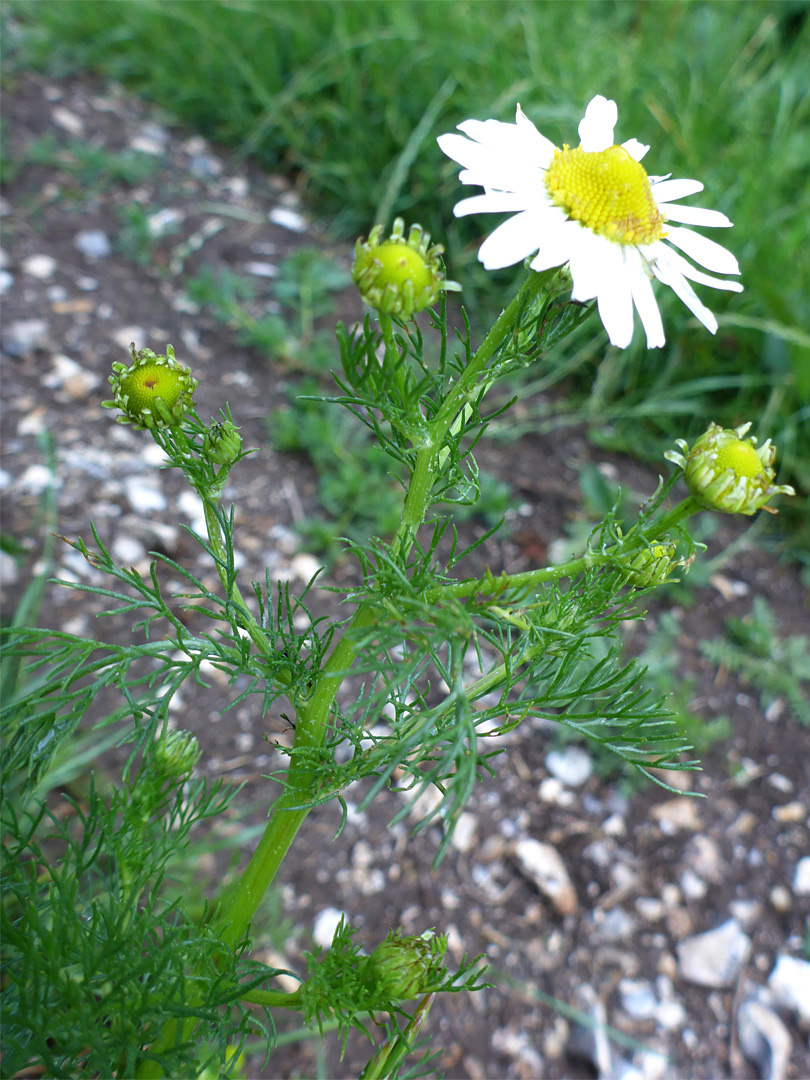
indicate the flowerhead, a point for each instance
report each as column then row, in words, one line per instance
column 153, row 391
column 595, row 208
column 725, row 471
column 402, row 967
column 399, row 275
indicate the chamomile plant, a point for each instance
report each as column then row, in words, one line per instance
column 106, row 972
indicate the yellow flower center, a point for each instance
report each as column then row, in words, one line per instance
column 150, row 381
column 401, row 263
column 742, row 458
column 608, row 192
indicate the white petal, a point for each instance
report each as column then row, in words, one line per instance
column 669, row 275
column 647, row 308
column 667, row 190
column 542, row 148
column 708, row 253
column 635, row 149
column 555, row 243
column 590, row 261
column 615, row 301
column 491, row 202
column 695, row 215
column 596, row 127
column 689, row 271
column 511, row 242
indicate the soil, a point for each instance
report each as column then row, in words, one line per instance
column 647, row 870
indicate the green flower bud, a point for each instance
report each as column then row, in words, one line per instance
column 650, row 566
column 405, row 967
column 222, row 444
column 400, row 276
column 153, row 391
column 176, row 754
column 726, row 472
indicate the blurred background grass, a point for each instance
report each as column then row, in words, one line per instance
column 349, row 96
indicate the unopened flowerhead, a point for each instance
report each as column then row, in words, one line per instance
column 153, row 391
column 650, row 566
column 400, row 275
column 222, row 443
column 176, row 754
column 595, row 208
column 725, row 471
column 402, row 967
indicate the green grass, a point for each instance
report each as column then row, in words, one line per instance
column 350, row 96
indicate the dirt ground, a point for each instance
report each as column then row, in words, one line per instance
column 648, row 872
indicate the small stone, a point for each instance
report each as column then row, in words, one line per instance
column 650, row 908
column 542, row 864
column 746, row 912
column 39, row 266
column 304, row 567
column 638, row 998
column 9, row 571
column 790, row 984
column 68, row 121
column 572, row 765
column 801, row 877
column 764, row 1040
column 715, row 957
column 143, row 495
column 6, row 281
column 36, row 479
column 261, row 269
column 288, row 219
column 464, row 832
column 676, row 814
column 23, row 337
column 86, row 283
column 161, row 222
column 93, row 243
column 780, row 898
column 789, row 813
column 326, row 922
column 702, row 854
column 692, row 886
column 780, row 783
column 127, row 335
column 552, row 791
column 614, row 925
column 127, row 551
column 150, row 139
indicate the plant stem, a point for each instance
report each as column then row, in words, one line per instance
column 528, row 579
column 238, row 907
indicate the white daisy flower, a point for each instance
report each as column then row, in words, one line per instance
column 595, row 208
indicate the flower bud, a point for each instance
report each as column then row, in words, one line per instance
column 153, row 391
column 650, row 566
column 222, row 444
column 176, row 754
column 405, row 967
column 400, row 276
column 726, row 472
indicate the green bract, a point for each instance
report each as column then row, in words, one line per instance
column 153, row 391
column 222, row 444
column 650, row 566
column 405, row 967
column 726, row 472
column 400, row 276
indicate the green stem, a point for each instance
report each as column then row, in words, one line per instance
column 529, row 579
column 234, row 597
column 239, row 906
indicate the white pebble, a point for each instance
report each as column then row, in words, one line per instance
column 801, row 878
column 326, row 922
column 92, row 243
column 39, row 266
